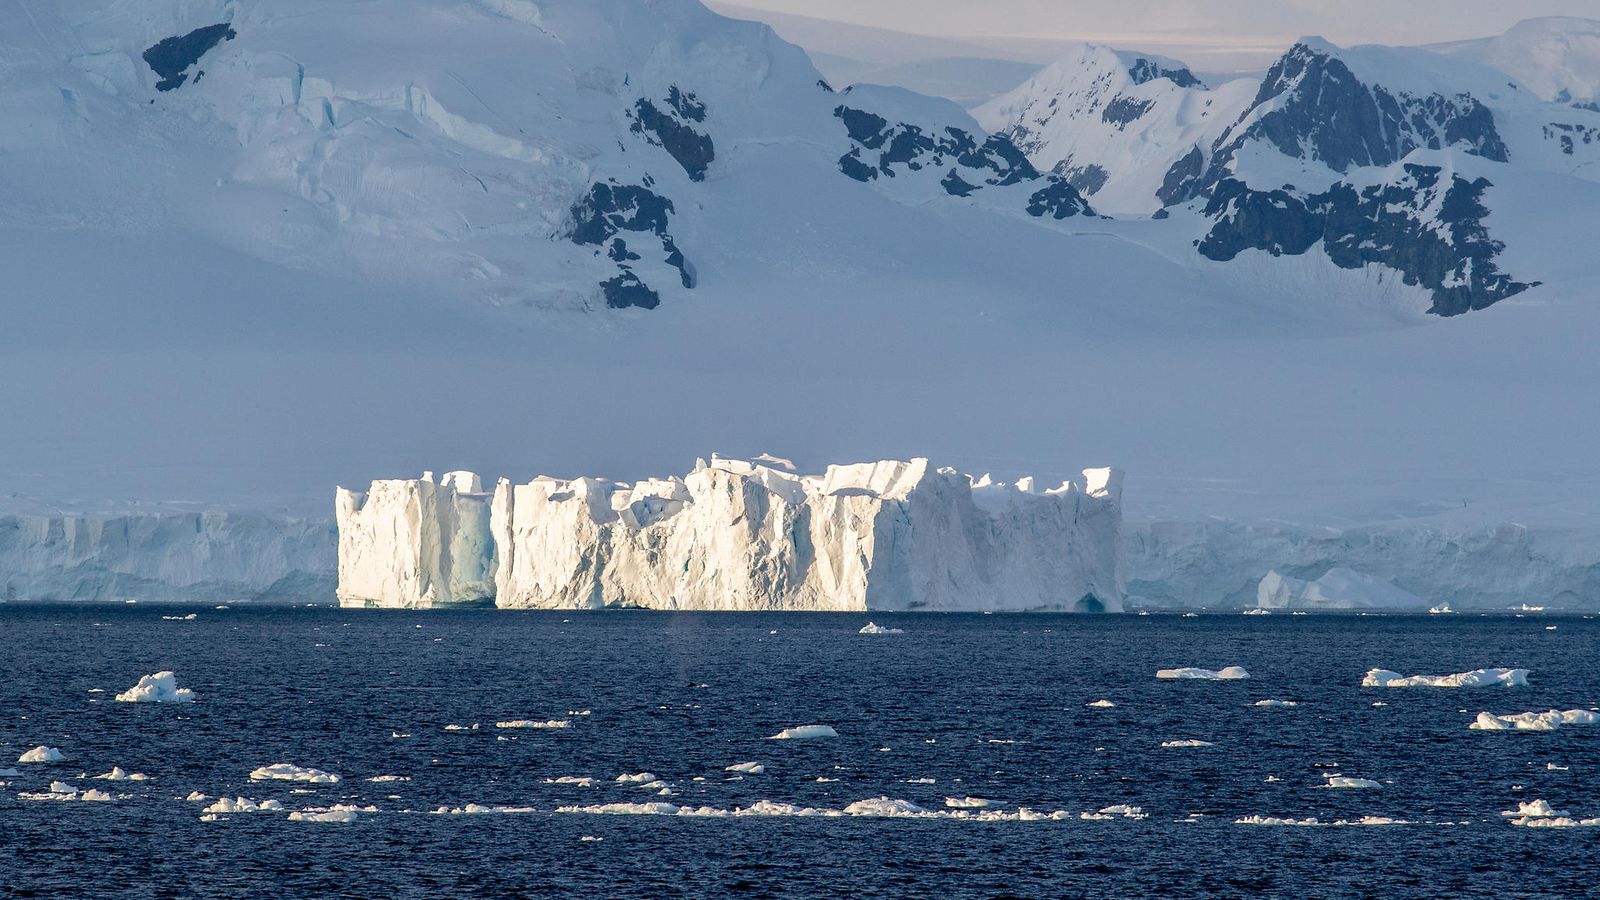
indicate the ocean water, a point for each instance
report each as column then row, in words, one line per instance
column 959, row 706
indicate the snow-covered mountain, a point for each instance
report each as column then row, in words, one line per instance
column 1557, row 57
column 254, row 249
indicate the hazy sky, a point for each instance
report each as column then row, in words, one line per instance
column 1342, row 21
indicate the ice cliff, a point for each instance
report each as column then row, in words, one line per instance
column 737, row 535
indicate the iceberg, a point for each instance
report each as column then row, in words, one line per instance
column 1101, row 704
column 1344, row 781
column 1532, row 721
column 874, row 628
column 1187, row 742
column 737, row 535
column 162, row 687
column 1338, row 588
column 225, row 806
column 805, row 732
column 41, row 754
column 117, row 773
column 287, row 772
column 1230, row 673
column 747, row 768
column 1475, row 678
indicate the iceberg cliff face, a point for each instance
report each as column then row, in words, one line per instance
column 415, row 543
column 737, row 535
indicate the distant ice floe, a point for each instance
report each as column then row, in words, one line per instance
column 1442, row 609
column 1314, row 822
column 334, row 816
column 529, row 723
column 473, row 727
column 162, row 687
column 571, row 779
column 637, row 778
column 385, row 779
column 1540, row 814
column 1190, row 742
column 1257, row 612
column 874, row 807
column 189, row 618
column 227, row 807
column 62, row 791
column 805, row 732
column 1475, row 678
column 42, row 754
column 118, row 774
column 1343, row 781
column 871, row 628
column 1277, row 704
column 479, row 809
column 747, row 768
column 1535, row 721
column 1101, row 704
column 287, row 772
column 1107, row 813
column 971, row 803
column 1229, row 673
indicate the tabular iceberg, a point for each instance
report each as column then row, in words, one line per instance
column 737, row 535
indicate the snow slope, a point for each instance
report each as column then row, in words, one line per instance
column 1557, row 57
column 372, row 237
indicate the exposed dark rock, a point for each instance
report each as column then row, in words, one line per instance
column 625, row 289
column 1123, row 110
column 1087, row 179
column 171, row 57
column 670, row 130
column 955, row 186
column 1451, row 253
column 1058, row 200
column 1185, row 180
column 1144, row 70
column 611, row 208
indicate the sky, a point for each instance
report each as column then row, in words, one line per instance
column 1217, row 34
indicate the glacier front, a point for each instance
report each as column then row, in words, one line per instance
column 738, row 535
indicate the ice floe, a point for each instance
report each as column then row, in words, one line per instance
column 189, row 618
column 162, row 687
column 42, row 754
column 1343, row 781
column 118, row 774
column 1556, row 822
column 336, row 816
column 1190, row 742
column 384, row 779
column 529, row 723
column 1228, row 673
column 971, row 803
column 1277, row 704
column 638, row 778
column 479, row 809
column 1101, row 704
column 1314, row 822
column 871, row 628
column 287, row 772
column 571, row 779
column 805, row 732
column 1475, row 678
column 1535, row 721
column 1533, row 809
column 747, row 768
column 225, row 806
column 62, row 791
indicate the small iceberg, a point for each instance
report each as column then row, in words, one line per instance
column 805, row 732
column 287, row 772
column 971, row 803
column 1533, row 809
column 1535, row 721
column 336, row 816
column 1101, row 704
column 1258, row 611
column 41, row 754
column 1230, row 673
column 529, row 723
column 1277, row 704
column 1341, row 781
column 162, row 687
column 886, row 807
column 571, row 779
column 747, row 768
column 226, row 807
column 386, row 779
column 638, row 778
column 1475, row 678
column 871, row 628
column 117, row 774
column 1189, row 742
column 1442, row 609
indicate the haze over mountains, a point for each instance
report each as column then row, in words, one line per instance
column 259, row 249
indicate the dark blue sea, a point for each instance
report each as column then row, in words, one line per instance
column 958, row 706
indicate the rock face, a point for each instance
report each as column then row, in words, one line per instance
column 415, row 543
column 737, row 535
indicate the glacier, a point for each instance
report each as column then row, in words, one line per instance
column 1338, row 588
column 737, row 535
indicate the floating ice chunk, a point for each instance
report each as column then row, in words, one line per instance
column 162, row 687
column 1229, row 673
column 1555, row 822
column 196, row 797
column 971, row 803
column 479, row 809
column 96, row 796
column 287, row 772
column 1277, row 704
column 657, row 808
column 637, row 778
column 1274, row 820
column 189, row 618
column 805, row 732
column 580, row 712
column 1341, row 781
column 529, row 723
column 871, row 628
column 1442, row 609
column 1258, row 612
column 337, row 816
column 1124, row 810
column 884, row 807
column 1475, row 678
column 384, row 779
column 61, row 787
column 1532, row 721
column 473, row 727
column 1551, row 767
column 1533, row 809
column 41, row 754
column 117, row 774
column 1101, row 704
column 571, row 779
column 1187, row 743
column 225, row 806
column 748, row 768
